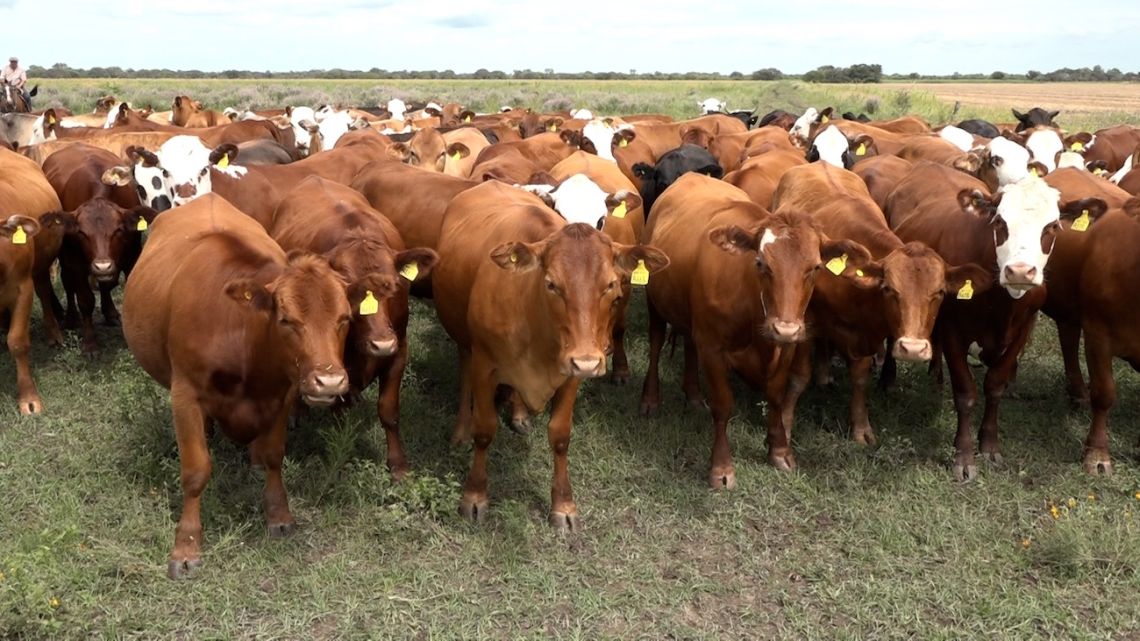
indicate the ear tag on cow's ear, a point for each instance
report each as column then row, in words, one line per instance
column 224, row 162
column 620, row 211
column 410, row 271
column 142, row 224
column 1099, row 172
column 837, row 265
column 1077, row 146
column 640, row 275
column 19, row 237
column 967, row 291
column 552, row 127
column 859, row 273
column 455, row 157
column 824, row 119
column 51, row 119
column 623, row 142
column 467, row 119
column 1082, row 222
column 369, row 305
column 248, row 295
column 861, row 150
column 1033, row 172
column 514, row 258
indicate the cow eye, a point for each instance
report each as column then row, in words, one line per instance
column 165, row 174
column 205, row 170
column 601, row 223
column 551, row 287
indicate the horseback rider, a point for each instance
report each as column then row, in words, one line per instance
column 15, row 75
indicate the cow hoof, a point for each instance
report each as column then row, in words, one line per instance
column 723, row 480
column 90, row 350
column 864, row 437
column 474, row 510
column 31, row 405
column 649, row 408
column 994, row 459
column 55, row 340
column 398, row 471
column 521, row 426
column 183, row 569
column 564, row 522
column 281, row 530
column 1098, row 463
column 783, row 460
column 964, row 469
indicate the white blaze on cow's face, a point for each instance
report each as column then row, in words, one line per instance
column 1118, row 176
column 801, row 129
column 333, row 127
column 580, row 200
column 302, row 135
column 712, row 106
column 602, row 135
column 1071, row 159
column 1044, row 145
column 960, row 138
column 182, row 173
column 396, row 107
column 831, row 145
column 1029, row 213
column 1013, row 165
column 112, row 115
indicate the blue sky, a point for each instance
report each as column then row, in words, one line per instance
column 617, row 35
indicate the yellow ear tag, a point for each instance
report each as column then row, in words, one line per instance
column 249, row 295
column 861, row 150
column 514, row 258
column 824, row 119
column 51, row 120
column 1077, row 146
column 1082, row 222
column 1099, row 172
column 967, row 291
column 467, row 119
column 410, row 271
column 640, row 275
column 224, row 162
column 142, row 225
column 620, row 210
column 859, row 273
column 1033, row 172
column 623, row 143
column 369, row 305
column 837, row 265
column 19, row 237
column 552, row 127
column 455, row 157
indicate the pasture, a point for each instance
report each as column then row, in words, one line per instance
column 859, row 543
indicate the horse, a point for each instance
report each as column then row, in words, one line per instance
column 12, row 99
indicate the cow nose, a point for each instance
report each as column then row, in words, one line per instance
column 186, row 190
column 786, row 331
column 1020, row 274
column 331, row 384
column 102, row 267
column 912, row 349
column 587, row 366
column 383, row 348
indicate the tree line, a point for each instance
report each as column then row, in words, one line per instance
column 858, row 73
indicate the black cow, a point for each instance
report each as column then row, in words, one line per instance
column 749, row 118
column 670, row 166
column 849, row 115
column 983, row 128
column 1034, row 117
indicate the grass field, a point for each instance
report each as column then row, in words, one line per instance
column 858, row 544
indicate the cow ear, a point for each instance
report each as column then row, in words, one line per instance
column 247, row 292
column 1097, row 167
column 630, row 257
column 28, row 225
column 402, row 152
column 862, row 146
column 976, row 203
column 517, row 257
column 63, row 219
column 854, row 256
column 466, row 115
column 813, row 154
column 542, row 191
column 1053, row 114
column 643, row 170
column 1037, row 168
column 622, row 202
column 571, row 137
column 1078, row 141
column 542, row 178
column 825, row 115
column 867, row 276
column 118, row 176
column 734, row 239
column 177, row 101
column 131, row 218
column 223, row 155
column 979, row 279
column 553, row 124
column 623, row 137
column 458, row 151
column 971, row 163
column 416, row 263
column 1017, row 114
column 1093, row 208
column 1132, row 207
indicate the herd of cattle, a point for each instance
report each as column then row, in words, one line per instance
column 281, row 269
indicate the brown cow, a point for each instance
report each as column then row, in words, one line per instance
column 502, row 248
column 882, row 174
column 116, row 143
column 543, row 150
column 760, row 175
column 1011, row 235
column 1113, row 145
column 236, row 330
column 739, row 284
column 185, row 112
column 896, row 298
column 17, row 257
column 335, row 221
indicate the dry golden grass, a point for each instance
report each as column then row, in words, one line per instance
column 1067, row 96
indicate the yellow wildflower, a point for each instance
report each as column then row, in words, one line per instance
column 1072, row 502
column 1092, row 497
column 54, row 603
column 1026, row 542
column 1055, row 512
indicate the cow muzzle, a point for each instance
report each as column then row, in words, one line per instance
column 324, row 388
column 185, row 191
column 587, row 365
column 912, row 349
column 786, row 331
column 1020, row 276
column 104, row 271
column 381, row 348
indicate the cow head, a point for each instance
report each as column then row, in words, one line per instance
column 603, row 134
column 914, row 280
column 397, row 108
column 833, row 148
column 103, row 231
column 1044, row 144
column 778, row 118
column 309, row 317
column 1025, row 218
column 304, row 123
column 580, row 276
column 790, row 253
column 806, row 125
column 182, row 108
column 177, row 174
column 533, row 124
column 1002, row 162
column 960, row 138
column 580, row 200
column 749, row 118
column 426, row 149
column 712, row 106
column 1035, row 117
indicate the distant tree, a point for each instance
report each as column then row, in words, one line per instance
column 736, row 75
column 1032, row 74
column 769, row 73
column 997, row 75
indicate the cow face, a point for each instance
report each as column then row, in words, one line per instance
column 1043, row 146
column 103, row 231
column 397, row 108
column 580, row 200
column 309, row 318
column 581, row 276
column 1035, row 117
column 604, row 135
column 804, row 126
column 302, row 119
column 177, row 174
column 790, row 253
column 1025, row 219
column 712, row 106
column 960, row 138
column 833, row 148
column 914, row 281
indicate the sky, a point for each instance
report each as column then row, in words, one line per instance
column 968, row 36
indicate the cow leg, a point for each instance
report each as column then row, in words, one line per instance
column 107, row 305
column 563, row 511
column 71, row 314
column 965, row 396
column 651, row 388
column 19, row 345
column 997, row 380
column 1070, row 336
column 620, row 375
column 1098, row 358
column 691, row 383
column 798, row 378
column 935, row 368
column 388, row 410
column 268, row 450
column 474, row 502
column 888, row 375
column 194, row 459
column 86, row 299
column 722, row 474
column 462, row 431
column 780, row 453
column 860, row 369
column 50, row 306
